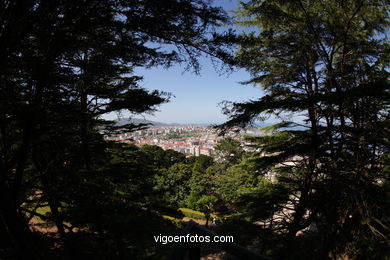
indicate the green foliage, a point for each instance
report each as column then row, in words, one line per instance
column 173, row 183
column 202, row 162
column 229, row 150
column 261, row 202
column 206, row 204
column 274, row 127
column 326, row 62
column 192, row 199
column 64, row 64
column 235, row 178
column 160, row 158
column 201, row 180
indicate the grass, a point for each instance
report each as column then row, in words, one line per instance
column 194, row 214
column 176, row 221
column 43, row 210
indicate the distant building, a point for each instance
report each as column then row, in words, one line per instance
column 205, row 151
column 194, row 142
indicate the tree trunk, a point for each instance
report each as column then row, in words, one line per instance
column 207, row 220
column 14, row 231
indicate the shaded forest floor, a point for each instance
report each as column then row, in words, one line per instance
column 86, row 244
column 46, row 236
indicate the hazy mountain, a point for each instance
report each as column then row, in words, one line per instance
column 124, row 121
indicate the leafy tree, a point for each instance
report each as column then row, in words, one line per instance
column 201, row 163
column 238, row 177
column 206, row 204
column 63, row 64
column 262, row 201
column 173, row 157
column 326, row 61
column 201, row 181
column 229, row 150
column 160, row 158
column 111, row 201
column 173, row 183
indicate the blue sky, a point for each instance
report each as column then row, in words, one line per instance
column 196, row 97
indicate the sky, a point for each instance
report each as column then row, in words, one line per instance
column 195, row 97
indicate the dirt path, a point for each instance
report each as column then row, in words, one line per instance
column 43, row 226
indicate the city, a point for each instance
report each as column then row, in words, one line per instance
column 190, row 140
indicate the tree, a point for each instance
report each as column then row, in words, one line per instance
column 114, row 201
column 63, row 64
column 325, row 61
column 201, row 180
column 173, row 183
column 160, row 158
column 229, row 150
column 238, row 177
column 206, row 205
